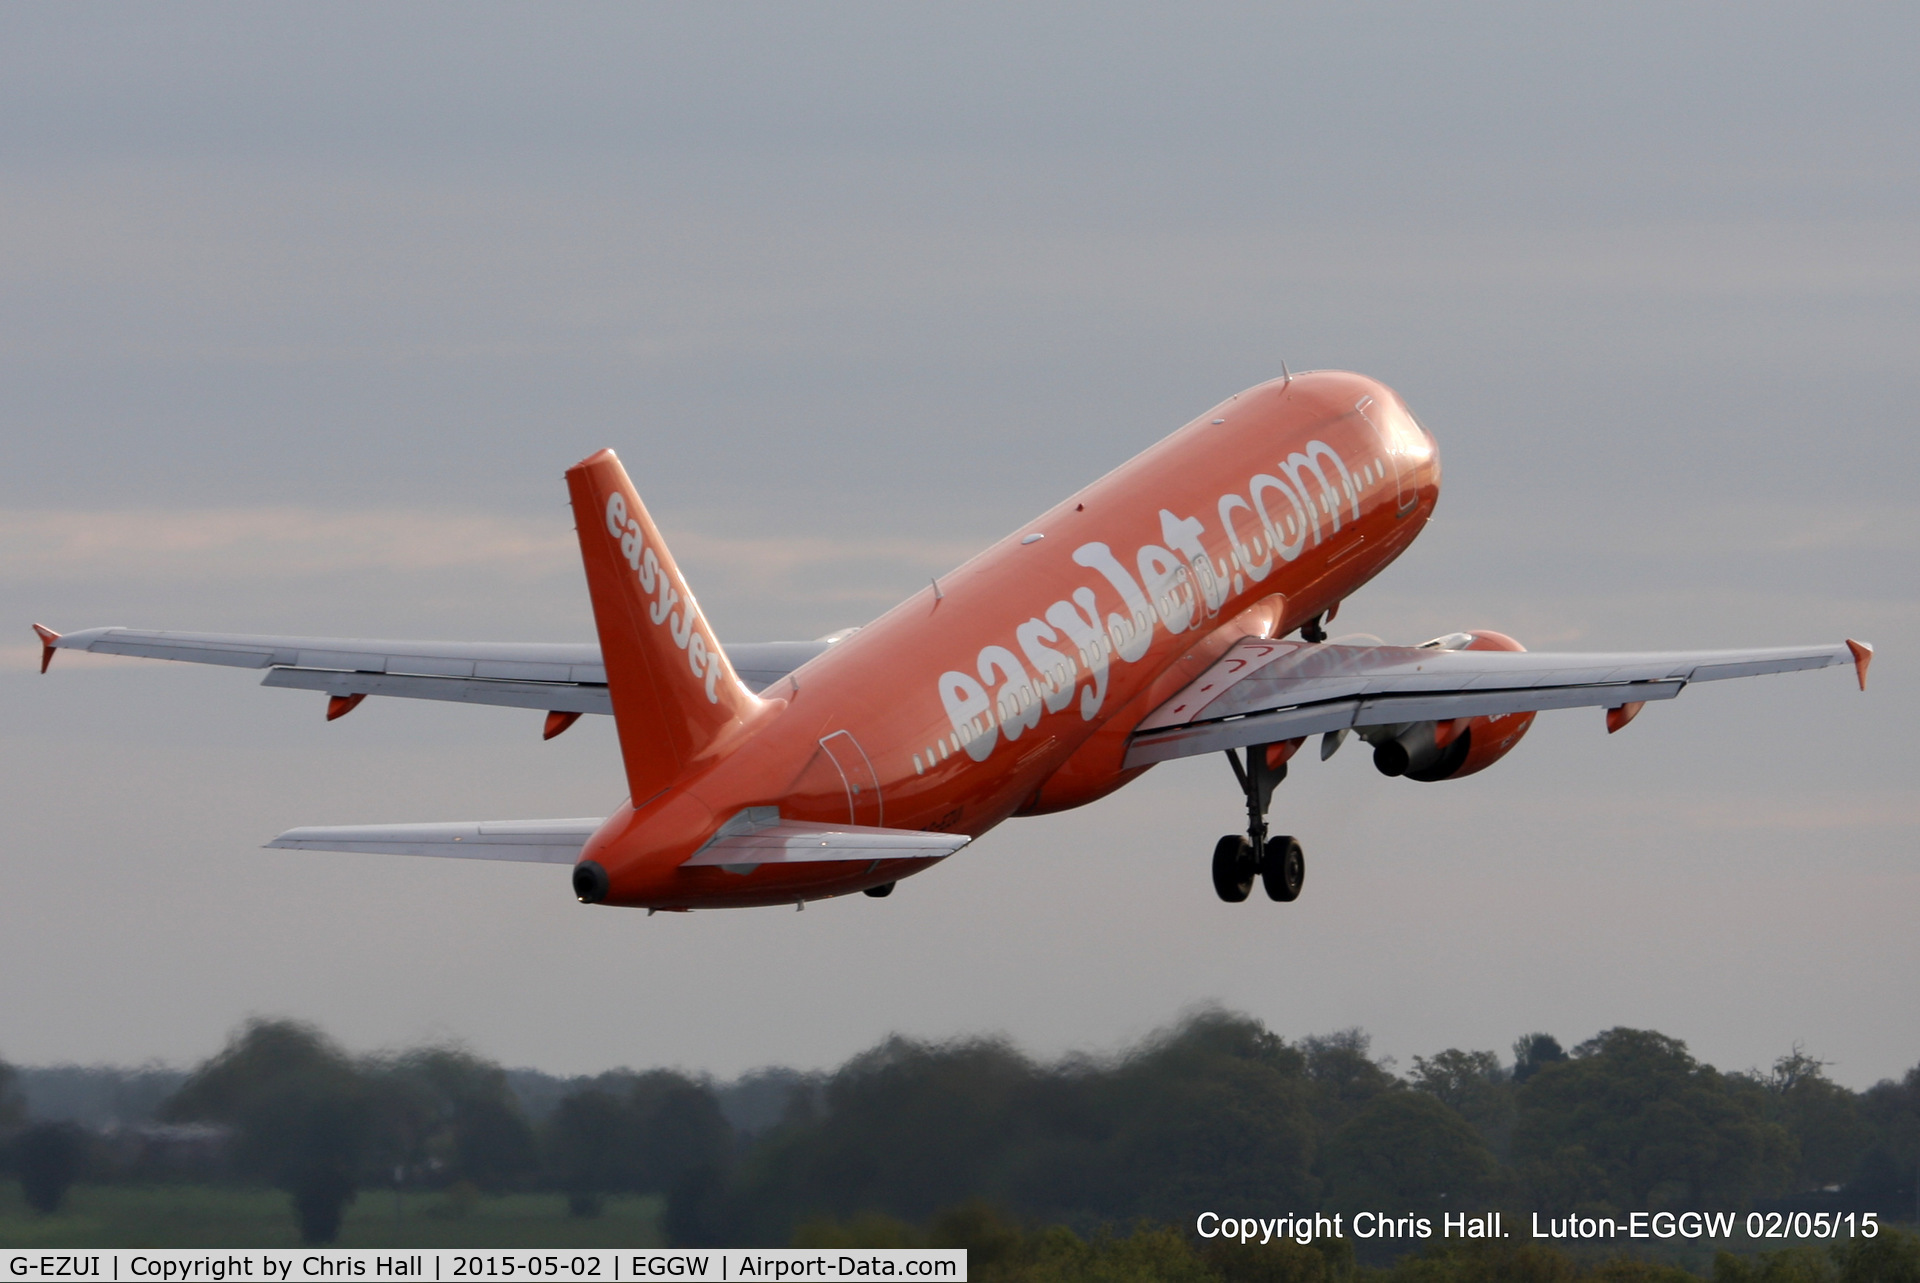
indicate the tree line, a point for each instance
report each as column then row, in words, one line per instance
column 1217, row 1113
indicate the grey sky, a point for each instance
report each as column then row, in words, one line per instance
column 303, row 311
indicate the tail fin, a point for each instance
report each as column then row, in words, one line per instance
column 674, row 693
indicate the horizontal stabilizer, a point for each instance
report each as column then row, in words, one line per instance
column 759, row 836
column 534, row 841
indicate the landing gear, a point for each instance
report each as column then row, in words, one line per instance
column 1234, row 868
column 884, row 890
column 1283, row 869
column 1238, row 859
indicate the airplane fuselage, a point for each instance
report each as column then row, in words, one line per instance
column 1010, row 685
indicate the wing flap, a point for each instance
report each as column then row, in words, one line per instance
column 531, row 841
column 554, row 697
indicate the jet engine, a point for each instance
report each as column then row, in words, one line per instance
column 1430, row 751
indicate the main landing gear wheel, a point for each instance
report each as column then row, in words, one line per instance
column 1283, row 869
column 1238, row 859
column 1234, row 867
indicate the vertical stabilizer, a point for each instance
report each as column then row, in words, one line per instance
column 674, row 693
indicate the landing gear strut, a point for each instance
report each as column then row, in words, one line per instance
column 1238, row 859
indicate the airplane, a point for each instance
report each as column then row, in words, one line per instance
column 1148, row 617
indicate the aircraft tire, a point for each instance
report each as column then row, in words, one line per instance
column 1234, row 868
column 1283, row 870
column 880, row 892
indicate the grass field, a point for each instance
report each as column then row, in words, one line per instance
column 212, row 1216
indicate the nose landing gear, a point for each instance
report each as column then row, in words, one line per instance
column 1278, row 862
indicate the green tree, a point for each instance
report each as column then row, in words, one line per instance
column 304, row 1113
column 1474, row 1085
column 678, row 1129
column 1893, row 1256
column 1632, row 1120
column 49, row 1160
column 450, row 1109
column 13, row 1105
column 1344, row 1075
column 1887, row 1170
column 1802, row 1263
column 1407, row 1152
column 1215, row 1113
column 1534, row 1052
column 907, row 1128
column 586, row 1142
column 1327, row 1260
column 1824, row 1119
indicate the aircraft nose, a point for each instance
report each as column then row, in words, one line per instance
column 590, row 882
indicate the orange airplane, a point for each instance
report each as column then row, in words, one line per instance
column 1145, row 618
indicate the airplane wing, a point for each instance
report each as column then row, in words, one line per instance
column 534, row 841
column 1262, row 692
column 558, row 677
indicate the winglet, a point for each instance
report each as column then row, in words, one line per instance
column 48, row 637
column 1862, row 656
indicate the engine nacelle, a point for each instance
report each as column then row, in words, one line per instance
column 1430, row 751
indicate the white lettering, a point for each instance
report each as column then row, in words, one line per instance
column 965, row 700
column 1056, row 670
column 1084, row 632
column 1183, row 533
column 1288, row 535
column 1130, row 639
column 1256, row 570
column 704, row 657
column 1165, row 577
column 1298, row 464
column 1016, row 707
column 668, row 595
column 1179, row 582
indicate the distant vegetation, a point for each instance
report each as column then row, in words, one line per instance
column 1216, row 1114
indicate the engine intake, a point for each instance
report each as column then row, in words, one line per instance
column 1433, row 751
column 1424, row 751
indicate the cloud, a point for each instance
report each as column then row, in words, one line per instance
column 244, row 543
column 771, row 560
column 1705, row 810
column 65, row 545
